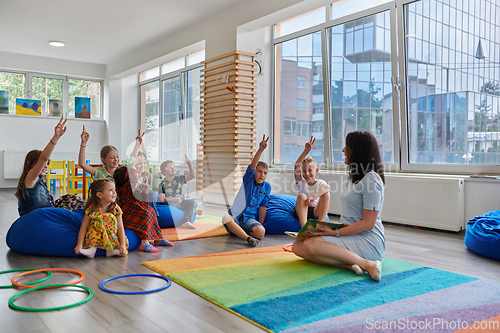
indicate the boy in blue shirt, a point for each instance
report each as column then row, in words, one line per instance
column 253, row 194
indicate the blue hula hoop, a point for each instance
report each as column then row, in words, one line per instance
column 135, row 292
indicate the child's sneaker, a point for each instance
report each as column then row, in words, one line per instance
column 252, row 241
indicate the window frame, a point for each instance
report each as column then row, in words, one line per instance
column 182, row 74
column 28, row 90
column 326, row 56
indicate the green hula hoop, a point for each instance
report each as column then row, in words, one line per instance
column 13, row 298
column 49, row 275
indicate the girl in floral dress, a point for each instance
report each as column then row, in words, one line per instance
column 102, row 226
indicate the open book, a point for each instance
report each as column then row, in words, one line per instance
column 311, row 225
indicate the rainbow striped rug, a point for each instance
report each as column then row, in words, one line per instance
column 280, row 292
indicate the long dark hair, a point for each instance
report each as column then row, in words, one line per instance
column 94, row 201
column 120, row 176
column 29, row 162
column 363, row 155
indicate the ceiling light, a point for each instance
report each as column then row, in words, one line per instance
column 56, row 44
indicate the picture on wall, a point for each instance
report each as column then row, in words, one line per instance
column 55, row 107
column 82, row 107
column 30, row 107
column 4, row 101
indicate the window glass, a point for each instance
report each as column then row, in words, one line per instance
column 83, row 88
column 173, row 66
column 50, row 92
column 196, row 58
column 150, row 118
column 300, row 22
column 299, row 98
column 171, row 120
column 453, row 85
column 344, row 8
column 361, row 97
column 150, row 73
column 12, row 86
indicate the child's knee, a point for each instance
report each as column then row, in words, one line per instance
column 258, row 232
column 301, row 198
column 227, row 218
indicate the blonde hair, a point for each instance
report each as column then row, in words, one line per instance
column 94, row 201
column 106, row 150
column 310, row 160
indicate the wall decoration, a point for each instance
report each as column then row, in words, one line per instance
column 4, row 101
column 30, row 107
column 55, row 107
column 82, row 107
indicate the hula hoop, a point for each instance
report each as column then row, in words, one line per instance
column 13, row 298
column 135, row 292
column 49, row 274
column 288, row 247
column 17, row 284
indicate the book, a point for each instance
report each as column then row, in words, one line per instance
column 311, row 225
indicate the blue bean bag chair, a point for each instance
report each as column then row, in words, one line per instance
column 279, row 215
column 483, row 235
column 170, row 217
column 53, row 232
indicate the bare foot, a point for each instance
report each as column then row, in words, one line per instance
column 188, row 225
column 198, row 211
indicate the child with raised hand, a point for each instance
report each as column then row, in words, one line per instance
column 253, row 195
column 109, row 158
column 32, row 192
column 170, row 191
column 313, row 200
column 102, row 226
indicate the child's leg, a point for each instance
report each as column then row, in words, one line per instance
column 189, row 207
column 89, row 253
column 258, row 232
column 301, row 209
column 321, row 209
column 147, row 247
column 234, row 227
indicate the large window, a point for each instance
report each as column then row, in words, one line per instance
column 299, row 97
column 361, row 90
column 453, row 81
column 170, row 109
column 436, row 109
column 50, row 90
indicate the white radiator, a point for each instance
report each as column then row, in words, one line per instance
column 425, row 201
column 13, row 161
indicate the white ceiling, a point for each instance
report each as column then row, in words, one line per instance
column 95, row 31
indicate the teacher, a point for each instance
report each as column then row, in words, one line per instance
column 360, row 245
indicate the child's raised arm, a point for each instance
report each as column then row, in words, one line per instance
column 138, row 143
column 256, row 157
column 296, row 168
column 81, row 155
column 191, row 173
column 32, row 176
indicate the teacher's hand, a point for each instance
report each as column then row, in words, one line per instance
column 322, row 231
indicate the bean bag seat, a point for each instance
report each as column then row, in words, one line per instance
column 279, row 215
column 170, row 217
column 483, row 235
column 53, row 232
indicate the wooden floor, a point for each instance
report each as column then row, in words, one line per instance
column 177, row 309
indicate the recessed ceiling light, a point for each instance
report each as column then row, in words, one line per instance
column 57, row 44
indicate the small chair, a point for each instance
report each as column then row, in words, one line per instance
column 57, row 170
column 77, row 182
